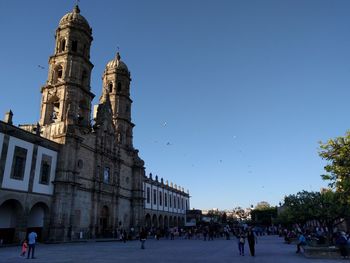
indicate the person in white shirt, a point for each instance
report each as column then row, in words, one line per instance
column 31, row 243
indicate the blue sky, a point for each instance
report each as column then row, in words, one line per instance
column 230, row 97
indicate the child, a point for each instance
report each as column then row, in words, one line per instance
column 24, row 248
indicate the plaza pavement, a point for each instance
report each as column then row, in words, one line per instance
column 270, row 249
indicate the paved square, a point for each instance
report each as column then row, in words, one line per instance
column 268, row 249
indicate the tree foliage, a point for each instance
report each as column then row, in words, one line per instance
column 304, row 206
column 337, row 153
column 263, row 215
column 262, row 205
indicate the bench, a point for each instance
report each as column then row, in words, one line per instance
column 322, row 252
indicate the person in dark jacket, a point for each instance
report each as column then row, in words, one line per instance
column 342, row 242
column 143, row 237
column 252, row 240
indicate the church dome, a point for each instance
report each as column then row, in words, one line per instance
column 75, row 18
column 117, row 64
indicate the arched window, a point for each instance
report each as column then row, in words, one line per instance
column 62, row 45
column 110, row 87
column 119, row 89
column 106, row 175
column 57, row 74
column 53, row 110
column 74, row 46
column 56, row 110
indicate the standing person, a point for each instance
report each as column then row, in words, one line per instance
column 205, row 233
column 211, row 233
column 143, row 237
column 342, row 242
column 252, row 240
column 241, row 241
column 301, row 242
column 172, row 235
column 31, row 241
column 124, row 236
column 24, row 248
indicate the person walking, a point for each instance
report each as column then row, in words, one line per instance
column 24, row 248
column 301, row 242
column 31, row 242
column 143, row 237
column 252, row 240
column 241, row 242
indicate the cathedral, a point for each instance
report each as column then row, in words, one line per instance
column 76, row 174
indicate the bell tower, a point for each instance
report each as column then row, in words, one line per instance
column 66, row 97
column 116, row 81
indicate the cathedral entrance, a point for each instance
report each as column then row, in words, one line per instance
column 11, row 212
column 36, row 220
column 104, row 218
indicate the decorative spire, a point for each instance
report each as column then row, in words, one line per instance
column 8, row 117
column 76, row 9
column 118, row 56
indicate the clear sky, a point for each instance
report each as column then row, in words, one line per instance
column 230, row 97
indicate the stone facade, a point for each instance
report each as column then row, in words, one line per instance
column 98, row 185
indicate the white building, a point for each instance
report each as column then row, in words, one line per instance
column 165, row 205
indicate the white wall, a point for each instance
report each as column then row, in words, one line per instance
column 170, row 195
column 43, row 188
column 8, row 182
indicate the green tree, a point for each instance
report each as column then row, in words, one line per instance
column 263, row 215
column 324, row 207
column 224, row 218
column 337, row 153
column 262, row 205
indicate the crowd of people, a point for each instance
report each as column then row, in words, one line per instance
column 210, row 232
column 321, row 236
column 243, row 234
